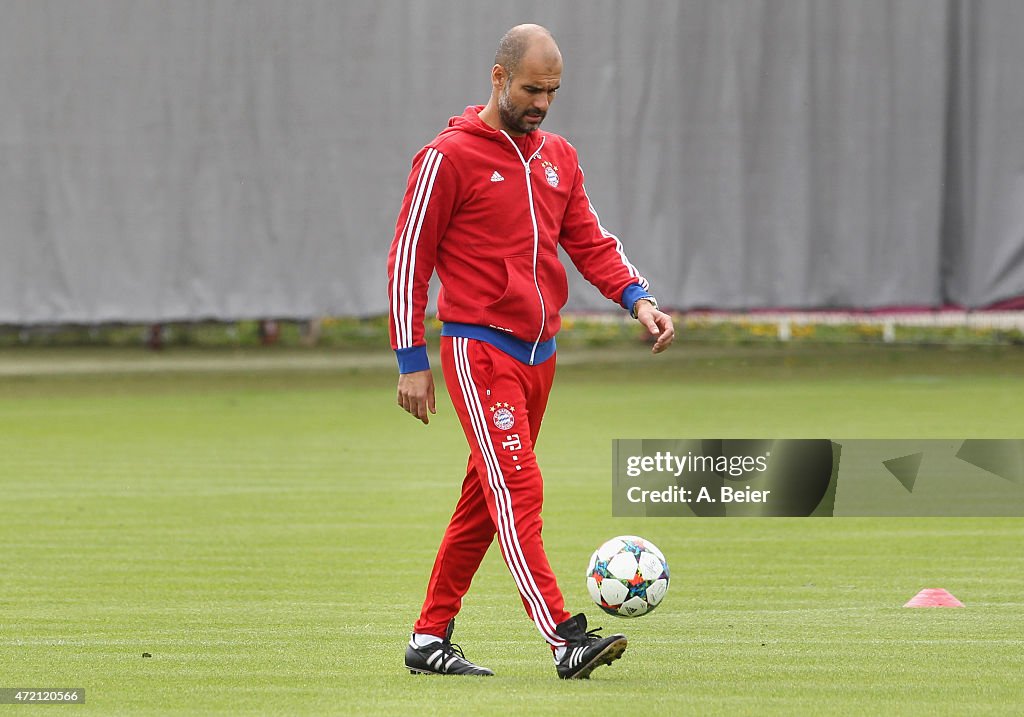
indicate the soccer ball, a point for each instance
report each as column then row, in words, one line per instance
column 627, row 576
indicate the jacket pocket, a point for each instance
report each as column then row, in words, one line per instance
column 517, row 310
column 553, row 283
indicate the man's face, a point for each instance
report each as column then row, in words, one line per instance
column 526, row 96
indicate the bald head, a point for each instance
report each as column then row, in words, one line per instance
column 526, row 39
column 526, row 75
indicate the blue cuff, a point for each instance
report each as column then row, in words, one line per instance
column 412, row 359
column 632, row 294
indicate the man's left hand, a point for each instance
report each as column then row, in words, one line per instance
column 658, row 323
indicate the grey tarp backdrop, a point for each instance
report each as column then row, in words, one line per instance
column 178, row 159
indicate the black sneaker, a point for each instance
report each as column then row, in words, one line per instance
column 441, row 658
column 585, row 650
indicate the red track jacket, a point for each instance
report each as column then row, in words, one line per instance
column 488, row 212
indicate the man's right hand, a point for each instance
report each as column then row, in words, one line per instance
column 416, row 394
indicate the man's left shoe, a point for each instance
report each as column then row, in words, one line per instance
column 585, row 650
column 441, row 658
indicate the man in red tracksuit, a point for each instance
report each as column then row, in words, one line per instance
column 488, row 203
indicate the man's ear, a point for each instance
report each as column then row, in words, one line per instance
column 498, row 77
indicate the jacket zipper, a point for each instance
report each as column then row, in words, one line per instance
column 536, row 239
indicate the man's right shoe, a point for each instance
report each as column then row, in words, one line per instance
column 585, row 650
column 441, row 658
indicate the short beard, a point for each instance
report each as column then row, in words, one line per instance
column 509, row 116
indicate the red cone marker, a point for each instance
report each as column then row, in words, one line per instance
column 933, row 597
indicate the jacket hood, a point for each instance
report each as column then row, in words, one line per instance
column 469, row 121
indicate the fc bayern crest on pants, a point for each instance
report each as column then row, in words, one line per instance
column 503, row 416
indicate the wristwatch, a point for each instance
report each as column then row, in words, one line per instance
column 651, row 299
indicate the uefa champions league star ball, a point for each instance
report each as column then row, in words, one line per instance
column 627, row 576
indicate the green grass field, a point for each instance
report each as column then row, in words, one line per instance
column 262, row 524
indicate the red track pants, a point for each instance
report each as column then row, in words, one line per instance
column 500, row 403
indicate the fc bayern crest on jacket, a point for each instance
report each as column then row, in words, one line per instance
column 550, row 173
column 503, row 416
